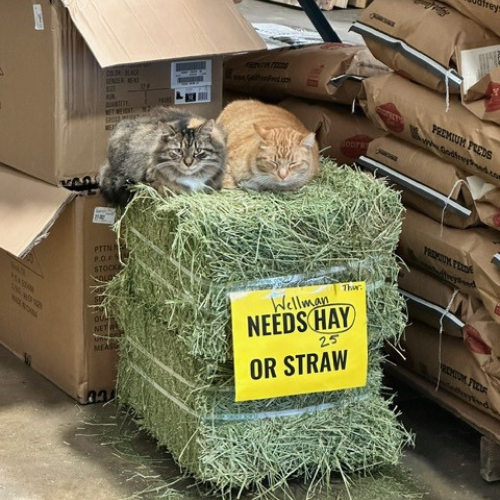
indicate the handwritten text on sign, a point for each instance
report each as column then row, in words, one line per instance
column 299, row 340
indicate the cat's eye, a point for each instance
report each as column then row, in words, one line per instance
column 200, row 155
column 176, row 152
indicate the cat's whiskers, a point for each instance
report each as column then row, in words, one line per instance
column 269, row 182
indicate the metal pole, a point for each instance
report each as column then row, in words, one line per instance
column 319, row 21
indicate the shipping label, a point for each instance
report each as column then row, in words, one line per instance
column 38, row 16
column 192, row 81
column 104, row 215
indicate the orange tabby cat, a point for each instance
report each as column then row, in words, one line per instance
column 268, row 148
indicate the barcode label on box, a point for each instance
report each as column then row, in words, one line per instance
column 193, row 95
column 38, row 14
column 104, row 215
column 191, row 73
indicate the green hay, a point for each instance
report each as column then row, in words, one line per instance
column 234, row 445
column 171, row 299
column 154, row 475
column 189, row 251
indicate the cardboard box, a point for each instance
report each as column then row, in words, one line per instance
column 70, row 70
column 56, row 248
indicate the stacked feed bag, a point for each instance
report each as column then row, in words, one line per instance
column 343, row 134
column 425, row 42
column 465, row 357
column 441, row 113
column 172, row 299
column 318, row 83
column 485, row 13
column 433, row 186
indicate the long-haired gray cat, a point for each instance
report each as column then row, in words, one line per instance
column 170, row 149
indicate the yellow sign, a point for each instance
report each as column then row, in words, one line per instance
column 299, row 340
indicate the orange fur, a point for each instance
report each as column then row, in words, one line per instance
column 268, row 148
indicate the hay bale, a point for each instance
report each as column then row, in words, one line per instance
column 239, row 445
column 171, row 300
column 189, row 251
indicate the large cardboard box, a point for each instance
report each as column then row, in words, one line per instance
column 69, row 70
column 56, row 249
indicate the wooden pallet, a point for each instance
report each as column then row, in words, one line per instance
column 487, row 426
column 330, row 4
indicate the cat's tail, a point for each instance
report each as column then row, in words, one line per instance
column 114, row 191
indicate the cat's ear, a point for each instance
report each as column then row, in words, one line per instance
column 167, row 130
column 261, row 131
column 308, row 140
column 207, row 127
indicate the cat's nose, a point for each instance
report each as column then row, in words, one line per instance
column 282, row 173
column 188, row 161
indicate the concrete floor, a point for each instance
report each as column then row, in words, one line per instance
column 53, row 449
column 258, row 11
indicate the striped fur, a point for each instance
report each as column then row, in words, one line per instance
column 170, row 149
column 268, row 148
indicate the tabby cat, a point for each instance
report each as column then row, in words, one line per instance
column 170, row 149
column 268, row 148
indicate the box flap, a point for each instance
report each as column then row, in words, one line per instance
column 28, row 209
column 133, row 31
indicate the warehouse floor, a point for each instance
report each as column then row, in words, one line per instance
column 53, row 449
